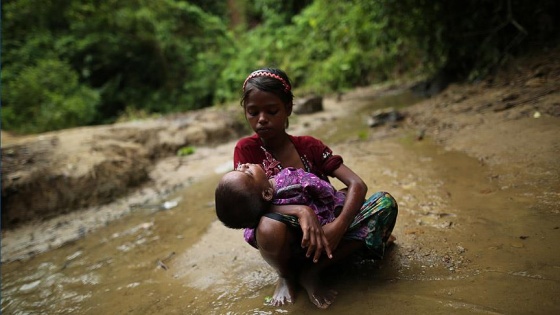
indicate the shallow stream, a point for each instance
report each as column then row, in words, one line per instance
column 467, row 242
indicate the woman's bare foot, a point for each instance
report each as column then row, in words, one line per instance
column 320, row 296
column 391, row 240
column 284, row 292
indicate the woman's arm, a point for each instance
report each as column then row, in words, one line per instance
column 355, row 197
column 313, row 236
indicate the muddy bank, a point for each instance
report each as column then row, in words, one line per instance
column 55, row 173
column 510, row 119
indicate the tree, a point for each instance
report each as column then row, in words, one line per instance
column 155, row 56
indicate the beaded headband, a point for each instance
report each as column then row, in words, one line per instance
column 262, row 73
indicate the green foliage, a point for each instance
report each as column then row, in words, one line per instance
column 184, row 151
column 275, row 12
column 156, row 56
column 467, row 39
column 90, row 62
column 363, row 135
column 336, row 45
column 152, row 55
column 47, row 97
column 321, row 53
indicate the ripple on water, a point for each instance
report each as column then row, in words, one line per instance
column 29, row 286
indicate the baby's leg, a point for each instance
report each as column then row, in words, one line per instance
column 273, row 239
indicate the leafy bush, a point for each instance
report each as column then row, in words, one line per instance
column 153, row 56
column 184, row 151
column 323, row 54
column 160, row 56
column 47, row 97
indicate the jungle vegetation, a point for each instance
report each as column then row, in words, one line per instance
column 68, row 63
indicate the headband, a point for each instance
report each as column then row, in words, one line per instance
column 262, row 73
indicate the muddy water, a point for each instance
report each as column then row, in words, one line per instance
column 467, row 242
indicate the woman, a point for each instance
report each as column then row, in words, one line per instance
column 267, row 101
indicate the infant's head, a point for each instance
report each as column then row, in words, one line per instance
column 243, row 196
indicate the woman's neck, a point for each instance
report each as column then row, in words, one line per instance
column 277, row 143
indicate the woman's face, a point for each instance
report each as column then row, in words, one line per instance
column 266, row 114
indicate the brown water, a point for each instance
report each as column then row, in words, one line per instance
column 467, row 242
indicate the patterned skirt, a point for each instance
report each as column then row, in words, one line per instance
column 373, row 225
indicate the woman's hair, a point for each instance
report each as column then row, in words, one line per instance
column 239, row 206
column 270, row 80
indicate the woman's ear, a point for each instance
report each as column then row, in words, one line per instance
column 268, row 193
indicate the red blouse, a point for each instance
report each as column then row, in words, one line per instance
column 316, row 157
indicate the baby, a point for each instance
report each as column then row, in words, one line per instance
column 245, row 194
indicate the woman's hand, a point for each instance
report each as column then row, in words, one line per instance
column 314, row 237
column 355, row 194
column 334, row 232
